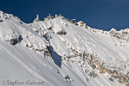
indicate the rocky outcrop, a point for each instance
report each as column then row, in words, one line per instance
column 14, row 41
column 122, row 34
column 82, row 24
column 73, row 21
column 62, row 32
column 36, row 19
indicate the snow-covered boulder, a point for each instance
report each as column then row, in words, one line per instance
column 80, row 23
column 113, row 32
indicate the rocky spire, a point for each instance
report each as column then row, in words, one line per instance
column 36, row 19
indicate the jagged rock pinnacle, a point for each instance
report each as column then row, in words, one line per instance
column 36, row 19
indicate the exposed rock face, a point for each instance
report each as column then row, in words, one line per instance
column 49, row 17
column 73, row 21
column 122, row 34
column 1, row 20
column 62, row 32
column 14, row 41
column 82, row 24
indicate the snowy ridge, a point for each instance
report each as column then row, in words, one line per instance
column 62, row 53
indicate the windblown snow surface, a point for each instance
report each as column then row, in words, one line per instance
column 57, row 52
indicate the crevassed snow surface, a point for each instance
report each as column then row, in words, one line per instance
column 41, row 54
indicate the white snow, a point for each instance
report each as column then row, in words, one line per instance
column 41, row 54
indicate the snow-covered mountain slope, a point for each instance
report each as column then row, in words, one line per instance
column 59, row 52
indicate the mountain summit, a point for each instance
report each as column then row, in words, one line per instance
column 61, row 52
